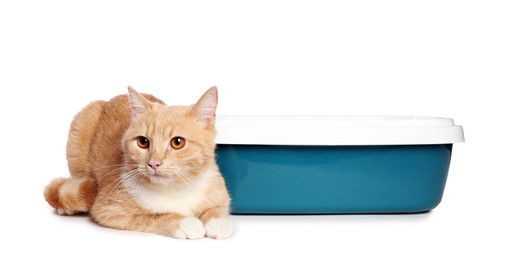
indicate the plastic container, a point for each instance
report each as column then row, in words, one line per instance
column 335, row 164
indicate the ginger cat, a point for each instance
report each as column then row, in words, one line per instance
column 137, row 164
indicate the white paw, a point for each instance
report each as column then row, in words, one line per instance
column 190, row 228
column 219, row 228
column 65, row 212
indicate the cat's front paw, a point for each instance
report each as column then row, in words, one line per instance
column 219, row 228
column 190, row 228
column 66, row 212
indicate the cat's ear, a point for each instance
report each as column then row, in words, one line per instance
column 205, row 108
column 138, row 103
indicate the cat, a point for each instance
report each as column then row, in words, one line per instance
column 138, row 164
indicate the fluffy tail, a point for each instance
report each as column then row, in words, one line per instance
column 71, row 195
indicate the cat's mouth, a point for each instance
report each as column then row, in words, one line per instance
column 158, row 175
column 159, row 178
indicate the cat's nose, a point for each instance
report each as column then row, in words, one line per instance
column 154, row 164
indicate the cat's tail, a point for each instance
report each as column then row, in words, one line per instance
column 71, row 195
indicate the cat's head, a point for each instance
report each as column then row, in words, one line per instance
column 169, row 145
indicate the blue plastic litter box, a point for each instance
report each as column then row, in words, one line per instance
column 335, row 164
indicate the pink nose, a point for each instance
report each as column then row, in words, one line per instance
column 154, row 164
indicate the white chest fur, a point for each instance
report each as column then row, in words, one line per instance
column 181, row 199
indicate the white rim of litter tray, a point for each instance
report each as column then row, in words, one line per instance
column 337, row 130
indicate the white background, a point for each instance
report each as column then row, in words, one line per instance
column 438, row 58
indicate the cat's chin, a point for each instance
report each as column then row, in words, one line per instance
column 160, row 179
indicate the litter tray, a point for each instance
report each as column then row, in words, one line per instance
column 335, row 164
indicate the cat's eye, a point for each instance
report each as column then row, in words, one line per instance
column 143, row 142
column 177, row 142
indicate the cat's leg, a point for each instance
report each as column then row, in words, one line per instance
column 217, row 224
column 116, row 208
column 71, row 195
column 167, row 224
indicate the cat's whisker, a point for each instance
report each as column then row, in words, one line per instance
column 185, row 177
column 112, row 165
column 118, row 183
column 120, row 167
column 115, row 171
column 115, row 183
